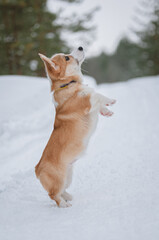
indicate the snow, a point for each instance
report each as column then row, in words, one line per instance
column 115, row 184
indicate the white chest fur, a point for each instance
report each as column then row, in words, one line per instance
column 93, row 114
column 92, row 126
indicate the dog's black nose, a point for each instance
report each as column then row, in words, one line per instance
column 80, row 48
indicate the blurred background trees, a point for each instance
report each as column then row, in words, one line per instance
column 28, row 27
column 131, row 59
column 120, row 66
column 149, row 42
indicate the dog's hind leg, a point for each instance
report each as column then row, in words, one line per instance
column 60, row 201
column 54, row 183
column 66, row 195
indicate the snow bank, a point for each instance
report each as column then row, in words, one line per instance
column 115, row 185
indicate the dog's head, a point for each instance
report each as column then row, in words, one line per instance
column 60, row 66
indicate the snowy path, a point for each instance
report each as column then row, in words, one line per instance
column 115, row 185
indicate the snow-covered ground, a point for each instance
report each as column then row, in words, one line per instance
column 115, row 185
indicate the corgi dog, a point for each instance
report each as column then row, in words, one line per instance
column 77, row 109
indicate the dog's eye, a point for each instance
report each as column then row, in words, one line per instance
column 67, row 58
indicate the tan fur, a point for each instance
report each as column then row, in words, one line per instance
column 76, row 117
column 70, row 128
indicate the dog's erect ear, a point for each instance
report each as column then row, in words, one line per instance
column 49, row 64
column 52, row 69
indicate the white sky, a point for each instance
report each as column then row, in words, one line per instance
column 113, row 21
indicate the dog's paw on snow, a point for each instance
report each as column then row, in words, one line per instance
column 64, row 204
column 67, row 196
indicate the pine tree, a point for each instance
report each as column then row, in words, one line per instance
column 149, row 42
column 119, row 66
column 26, row 28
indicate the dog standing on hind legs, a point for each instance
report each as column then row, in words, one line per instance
column 77, row 109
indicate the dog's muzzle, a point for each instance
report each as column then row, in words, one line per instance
column 78, row 54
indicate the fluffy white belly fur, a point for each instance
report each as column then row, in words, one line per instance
column 92, row 127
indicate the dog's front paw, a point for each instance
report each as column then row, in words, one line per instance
column 105, row 112
column 110, row 102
